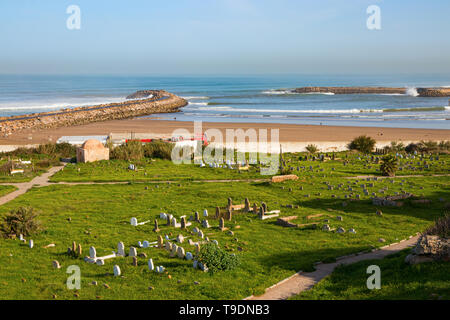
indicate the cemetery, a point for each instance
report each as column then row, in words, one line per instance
column 157, row 231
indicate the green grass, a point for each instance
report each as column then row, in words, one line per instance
column 4, row 190
column 399, row 281
column 149, row 170
column 100, row 216
column 162, row 170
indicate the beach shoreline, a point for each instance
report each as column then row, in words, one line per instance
column 293, row 137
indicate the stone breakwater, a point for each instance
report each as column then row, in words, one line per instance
column 160, row 102
column 422, row 92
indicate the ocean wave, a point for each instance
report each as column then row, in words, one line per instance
column 198, row 103
column 196, row 98
column 278, row 92
column 412, row 92
column 227, row 108
column 58, row 105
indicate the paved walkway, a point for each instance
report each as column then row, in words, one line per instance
column 302, row 281
column 23, row 187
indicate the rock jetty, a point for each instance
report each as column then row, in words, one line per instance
column 422, row 92
column 160, row 101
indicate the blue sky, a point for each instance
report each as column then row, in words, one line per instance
column 224, row 37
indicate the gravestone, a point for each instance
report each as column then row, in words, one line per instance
column 221, row 224
column 197, row 248
column 189, row 256
column 247, row 205
column 217, row 212
column 134, row 222
column 180, row 238
column 56, row 264
column 121, row 249
column 205, row 213
column 156, row 228
column 196, row 217
column 133, row 252
column 116, row 271
column 180, row 252
column 229, row 215
column 160, row 241
column 151, row 266
column 92, row 253
column 183, row 222
column 135, row 261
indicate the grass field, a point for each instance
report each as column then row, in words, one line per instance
column 100, row 217
column 4, row 190
column 162, row 170
column 399, row 281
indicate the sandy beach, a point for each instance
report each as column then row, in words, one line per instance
column 293, row 137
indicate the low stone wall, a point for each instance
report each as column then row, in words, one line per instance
column 161, row 102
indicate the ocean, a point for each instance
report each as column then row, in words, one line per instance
column 242, row 98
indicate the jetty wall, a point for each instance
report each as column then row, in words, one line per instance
column 161, row 102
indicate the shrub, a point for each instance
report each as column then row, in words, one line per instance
column 217, row 259
column 159, row 149
column 6, row 167
column 428, row 146
column 395, row 147
column 362, row 144
column 440, row 228
column 53, row 150
column 389, row 165
column 132, row 150
column 20, row 221
column 444, row 145
column 312, row 148
column 412, row 147
column 285, row 171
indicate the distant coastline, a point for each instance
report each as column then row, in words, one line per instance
column 421, row 92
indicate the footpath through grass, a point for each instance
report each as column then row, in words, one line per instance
column 4, row 190
column 399, row 281
column 100, row 217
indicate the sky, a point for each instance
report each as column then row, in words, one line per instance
column 175, row 37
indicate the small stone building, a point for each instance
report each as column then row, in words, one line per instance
column 92, row 150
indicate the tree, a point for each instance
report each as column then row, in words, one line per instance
column 312, row 148
column 363, row 144
column 20, row 221
column 389, row 165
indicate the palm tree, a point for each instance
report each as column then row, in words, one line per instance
column 389, row 165
column 312, row 148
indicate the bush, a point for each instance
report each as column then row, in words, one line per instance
column 312, row 148
column 362, row 144
column 389, row 165
column 412, row 147
column 6, row 167
column 428, row 146
column 53, row 150
column 159, row 149
column 284, row 171
column 20, row 221
column 440, row 228
column 217, row 259
column 395, row 147
column 132, row 150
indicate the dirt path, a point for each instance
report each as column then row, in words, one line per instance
column 302, row 281
column 23, row 187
